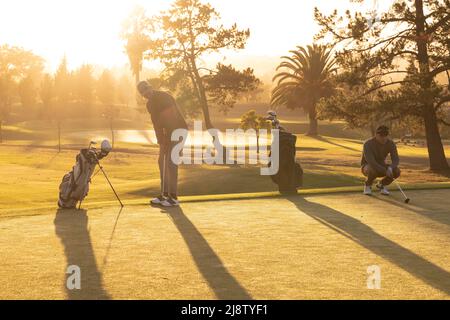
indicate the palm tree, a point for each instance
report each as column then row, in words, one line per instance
column 134, row 32
column 136, row 47
column 303, row 80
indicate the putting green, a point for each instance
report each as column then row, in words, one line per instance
column 303, row 247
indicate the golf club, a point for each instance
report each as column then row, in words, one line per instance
column 164, row 174
column 407, row 200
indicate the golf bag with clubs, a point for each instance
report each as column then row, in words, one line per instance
column 75, row 184
column 290, row 174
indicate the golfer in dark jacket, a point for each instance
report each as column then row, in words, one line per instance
column 166, row 118
column 373, row 163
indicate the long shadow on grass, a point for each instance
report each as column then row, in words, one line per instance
column 323, row 139
column 436, row 208
column 105, row 259
column 311, row 149
column 224, row 285
column 376, row 243
column 196, row 180
column 71, row 226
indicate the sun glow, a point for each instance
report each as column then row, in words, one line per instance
column 87, row 31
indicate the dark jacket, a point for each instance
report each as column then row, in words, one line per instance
column 165, row 114
column 375, row 154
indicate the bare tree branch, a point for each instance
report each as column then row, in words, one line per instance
column 442, row 101
column 387, row 73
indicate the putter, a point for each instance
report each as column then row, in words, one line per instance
column 407, row 200
column 163, row 177
column 164, row 174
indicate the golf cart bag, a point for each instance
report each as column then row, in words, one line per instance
column 75, row 184
column 290, row 173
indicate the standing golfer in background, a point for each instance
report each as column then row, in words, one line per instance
column 373, row 163
column 166, row 118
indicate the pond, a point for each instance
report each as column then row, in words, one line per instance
column 148, row 137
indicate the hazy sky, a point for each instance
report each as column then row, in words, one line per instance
column 87, row 31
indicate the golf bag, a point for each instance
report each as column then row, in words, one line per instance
column 75, row 184
column 290, row 173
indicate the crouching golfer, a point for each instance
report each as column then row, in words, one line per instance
column 166, row 118
column 373, row 163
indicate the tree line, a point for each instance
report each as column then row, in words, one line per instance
column 25, row 89
column 365, row 68
column 371, row 68
column 354, row 71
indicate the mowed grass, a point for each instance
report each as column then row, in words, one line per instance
column 31, row 171
column 31, row 175
column 305, row 247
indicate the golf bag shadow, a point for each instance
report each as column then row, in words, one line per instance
column 290, row 173
column 75, row 184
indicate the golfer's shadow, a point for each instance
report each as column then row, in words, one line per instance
column 71, row 226
column 365, row 236
column 433, row 211
column 224, row 285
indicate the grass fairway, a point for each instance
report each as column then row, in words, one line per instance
column 31, row 171
column 312, row 247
